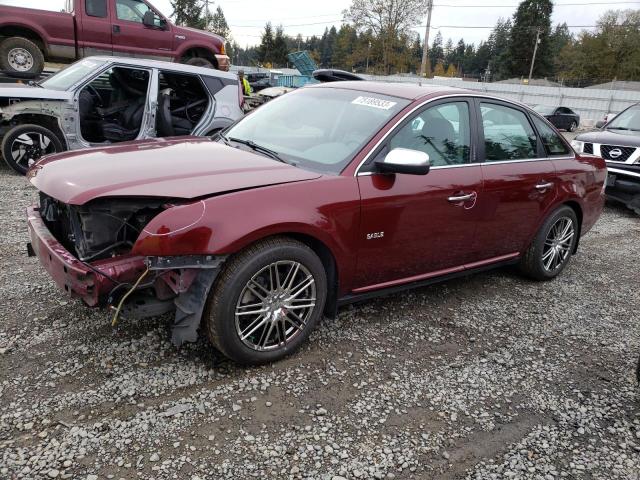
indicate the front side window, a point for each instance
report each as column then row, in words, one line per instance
column 321, row 129
column 96, row 8
column 508, row 135
column 442, row 132
column 550, row 139
column 134, row 10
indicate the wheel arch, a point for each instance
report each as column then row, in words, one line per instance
column 200, row 52
column 575, row 206
column 28, row 32
column 321, row 249
column 51, row 122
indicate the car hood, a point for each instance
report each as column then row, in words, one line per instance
column 202, row 33
column 169, row 168
column 21, row 91
column 623, row 138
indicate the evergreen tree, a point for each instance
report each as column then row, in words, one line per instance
column 498, row 44
column 436, row 53
column 265, row 50
column 532, row 16
column 188, row 13
column 218, row 24
column 280, row 49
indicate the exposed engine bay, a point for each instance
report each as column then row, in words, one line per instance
column 100, row 229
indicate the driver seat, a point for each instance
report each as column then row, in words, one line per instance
column 128, row 125
column 440, row 135
column 169, row 125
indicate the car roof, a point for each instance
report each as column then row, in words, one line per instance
column 409, row 91
column 178, row 67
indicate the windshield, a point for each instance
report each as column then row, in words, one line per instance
column 627, row 120
column 321, row 129
column 68, row 77
column 544, row 109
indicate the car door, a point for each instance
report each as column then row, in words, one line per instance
column 519, row 180
column 417, row 226
column 132, row 38
column 94, row 32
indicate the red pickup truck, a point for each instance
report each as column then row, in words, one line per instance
column 28, row 37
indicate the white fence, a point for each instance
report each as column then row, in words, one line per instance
column 591, row 104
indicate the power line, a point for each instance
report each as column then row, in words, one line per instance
column 449, row 5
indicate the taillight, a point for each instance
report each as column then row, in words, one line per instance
column 240, row 93
column 223, row 51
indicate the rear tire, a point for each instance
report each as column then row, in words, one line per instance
column 24, row 145
column 261, row 308
column 553, row 245
column 572, row 126
column 199, row 62
column 21, row 58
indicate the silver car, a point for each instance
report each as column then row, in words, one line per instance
column 105, row 100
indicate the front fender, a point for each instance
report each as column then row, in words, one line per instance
column 326, row 209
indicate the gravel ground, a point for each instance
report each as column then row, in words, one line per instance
column 490, row 376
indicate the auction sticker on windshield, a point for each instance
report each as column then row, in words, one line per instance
column 374, row 102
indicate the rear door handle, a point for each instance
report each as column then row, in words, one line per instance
column 542, row 187
column 116, row 29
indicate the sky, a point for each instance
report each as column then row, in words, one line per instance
column 247, row 18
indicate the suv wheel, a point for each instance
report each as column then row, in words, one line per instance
column 553, row 245
column 23, row 145
column 266, row 301
column 20, row 57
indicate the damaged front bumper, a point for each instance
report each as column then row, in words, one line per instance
column 92, row 285
column 180, row 283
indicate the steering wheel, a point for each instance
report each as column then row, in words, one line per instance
column 96, row 93
column 197, row 103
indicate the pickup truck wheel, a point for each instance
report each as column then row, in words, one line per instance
column 23, row 145
column 199, row 62
column 21, row 58
column 553, row 245
column 266, row 301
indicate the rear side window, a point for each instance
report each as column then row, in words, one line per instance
column 96, row 8
column 550, row 139
column 508, row 135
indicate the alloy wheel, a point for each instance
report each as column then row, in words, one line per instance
column 557, row 245
column 275, row 305
column 27, row 148
column 20, row 59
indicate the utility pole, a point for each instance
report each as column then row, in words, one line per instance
column 425, row 50
column 206, row 14
column 535, row 50
column 368, row 53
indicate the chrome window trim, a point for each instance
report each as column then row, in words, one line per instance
column 454, row 95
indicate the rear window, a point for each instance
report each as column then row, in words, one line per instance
column 96, row 8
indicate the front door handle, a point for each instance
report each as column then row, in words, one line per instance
column 543, row 187
column 461, row 198
column 116, row 29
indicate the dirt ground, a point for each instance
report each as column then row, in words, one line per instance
column 490, row 376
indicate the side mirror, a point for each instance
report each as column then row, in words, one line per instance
column 149, row 19
column 600, row 123
column 403, row 160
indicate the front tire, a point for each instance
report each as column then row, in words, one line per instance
column 24, row 145
column 199, row 62
column 553, row 245
column 267, row 301
column 21, row 58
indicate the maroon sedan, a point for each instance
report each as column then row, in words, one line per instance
column 325, row 196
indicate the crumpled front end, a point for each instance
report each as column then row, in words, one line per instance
column 87, row 250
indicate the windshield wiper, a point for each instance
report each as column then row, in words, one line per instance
column 258, row 148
